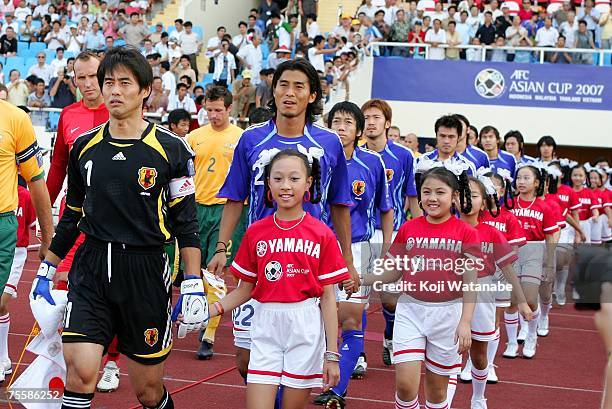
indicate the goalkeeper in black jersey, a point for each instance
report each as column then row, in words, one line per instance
column 130, row 189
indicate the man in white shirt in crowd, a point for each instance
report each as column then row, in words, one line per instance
column 569, row 27
column 147, row 48
column 59, row 63
column 94, row 39
column 463, row 28
column 9, row 21
column 547, row 36
column 344, row 28
column 368, row 8
column 168, row 80
column 41, row 10
column 75, row 40
column 315, row 53
column 22, row 11
column 436, row 37
column 390, row 10
column 182, row 100
column 241, row 40
column 161, row 48
column 252, row 58
column 225, row 66
column 174, row 51
column 178, row 33
column 312, row 26
column 55, row 38
column 191, row 45
column 42, row 70
column 213, row 46
column 438, row 13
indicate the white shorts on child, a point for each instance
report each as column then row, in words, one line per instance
column 287, row 345
column 483, row 320
column 426, row 332
column 242, row 320
column 363, row 259
column 21, row 254
column 529, row 266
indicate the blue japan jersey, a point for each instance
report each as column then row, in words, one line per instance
column 504, row 160
column 433, row 155
column 259, row 143
column 526, row 159
column 477, row 156
column 399, row 168
column 370, row 192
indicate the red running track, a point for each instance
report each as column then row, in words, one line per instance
column 566, row 372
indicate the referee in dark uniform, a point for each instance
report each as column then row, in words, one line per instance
column 130, row 189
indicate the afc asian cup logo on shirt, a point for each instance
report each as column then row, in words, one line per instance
column 274, row 271
column 358, row 187
column 262, row 248
column 489, row 83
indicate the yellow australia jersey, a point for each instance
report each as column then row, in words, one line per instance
column 213, row 156
column 18, row 151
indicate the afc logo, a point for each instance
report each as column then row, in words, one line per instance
column 262, row 248
column 151, row 336
column 358, row 187
column 146, row 177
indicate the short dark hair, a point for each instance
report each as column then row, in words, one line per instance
column 274, row 14
column 219, row 28
column 463, row 119
column 134, row 13
column 488, row 129
column 216, row 93
column 380, row 104
column 318, row 39
column 351, row 109
column 181, row 85
column 198, row 87
column 188, row 78
column 177, row 115
column 259, row 115
column 582, row 22
column 242, row 23
column 179, row 20
column 311, row 16
column 300, row 64
column 449, row 121
column 188, row 24
column 165, row 65
column 452, row 22
column 164, row 35
column 185, row 56
column 39, row 80
column 129, row 58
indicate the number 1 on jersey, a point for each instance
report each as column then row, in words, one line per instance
column 88, row 166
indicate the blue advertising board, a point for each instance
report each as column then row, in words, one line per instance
column 490, row 83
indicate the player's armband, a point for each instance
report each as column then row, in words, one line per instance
column 181, row 187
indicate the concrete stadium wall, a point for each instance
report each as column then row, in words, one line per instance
column 568, row 126
column 210, row 14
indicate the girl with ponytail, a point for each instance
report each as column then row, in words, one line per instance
column 539, row 225
column 499, row 256
column 432, row 322
column 596, row 181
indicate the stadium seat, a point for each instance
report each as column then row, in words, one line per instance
column 36, row 47
column 70, row 54
column 36, row 24
column 22, row 45
column 30, row 61
column 208, row 79
column 265, row 51
column 50, row 54
column 199, row 32
column 170, row 29
column 119, row 42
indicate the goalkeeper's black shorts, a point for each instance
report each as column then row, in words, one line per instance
column 124, row 291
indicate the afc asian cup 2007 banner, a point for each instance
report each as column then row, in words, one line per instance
column 490, row 83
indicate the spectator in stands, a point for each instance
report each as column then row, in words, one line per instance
column 252, row 25
column 344, row 28
column 6, row 7
column 399, row 33
column 417, row 35
column 75, row 40
column 182, row 67
column 584, row 39
column 191, row 45
column 267, row 10
column 56, row 38
column 515, row 32
column 264, row 89
column 451, row 16
column 523, row 56
column 474, row 54
column 28, row 33
column 244, row 96
column 182, row 100
column 162, row 47
column 179, row 30
column 31, row 81
column 9, row 21
column 94, row 40
column 241, row 40
column 504, row 21
column 8, row 43
column 17, row 89
column 412, row 143
column 561, row 57
column 486, row 32
column 606, row 30
column 473, row 20
column 312, row 26
column 368, row 8
column 135, row 32
column 179, row 121
column 498, row 55
column 281, row 32
column 213, row 48
column 3, row 92
column 591, row 16
column 532, row 25
column 307, row 8
column 157, row 34
column 279, row 56
column 380, row 24
column 41, row 69
column 157, row 101
column 147, row 48
column 174, row 51
column 452, row 39
column 186, row 79
column 83, row 27
column 463, row 29
column 561, row 14
column 569, row 28
column 438, row 12
column 436, row 37
column 372, row 32
column 22, row 11
column 168, row 79
column 547, row 36
column 61, row 88
column 303, row 45
column 109, row 43
column 251, row 57
column 154, row 60
column 59, row 63
column 225, row 66
column 315, row 54
column 39, row 99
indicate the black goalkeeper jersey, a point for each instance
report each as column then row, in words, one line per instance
column 135, row 192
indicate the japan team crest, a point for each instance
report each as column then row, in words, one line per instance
column 146, row 177
column 389, row 173
column 358, row 187
column 151, row 336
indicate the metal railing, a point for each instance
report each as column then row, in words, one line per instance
column 540, row 51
